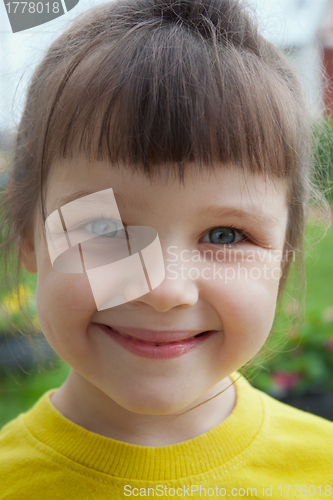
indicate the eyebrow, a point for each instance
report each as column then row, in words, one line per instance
column 121, row 199
column 254, row 215
column 215, row 211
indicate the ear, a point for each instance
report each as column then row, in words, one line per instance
column 28, row 253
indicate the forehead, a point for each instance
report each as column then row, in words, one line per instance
column 226, row 186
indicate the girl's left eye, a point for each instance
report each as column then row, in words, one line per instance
column 223, row 236
column 104, row 227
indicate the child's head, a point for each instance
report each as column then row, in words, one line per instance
column 178, row 106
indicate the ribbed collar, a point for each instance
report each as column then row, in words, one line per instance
column 118, row 459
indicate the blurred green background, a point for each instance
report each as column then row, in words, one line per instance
column 304, row 359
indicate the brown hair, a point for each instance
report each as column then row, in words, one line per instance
column 164, row 85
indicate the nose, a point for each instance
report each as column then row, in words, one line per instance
column 176, row 290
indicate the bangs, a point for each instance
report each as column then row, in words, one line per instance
column 168, row 96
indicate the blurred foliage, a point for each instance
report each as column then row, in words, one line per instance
column 20, row 390
column 324, row 157
column 304, row 363
column 11, row 317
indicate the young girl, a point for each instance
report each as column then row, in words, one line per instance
column 160, row 190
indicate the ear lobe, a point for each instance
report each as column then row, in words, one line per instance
column 28, row 254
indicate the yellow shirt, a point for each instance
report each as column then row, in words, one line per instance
column 258, row 451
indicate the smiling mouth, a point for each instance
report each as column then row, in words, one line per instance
column 159, row 343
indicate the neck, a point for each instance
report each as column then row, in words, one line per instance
column 87, row 406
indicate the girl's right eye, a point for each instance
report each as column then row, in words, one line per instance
column 105, row 227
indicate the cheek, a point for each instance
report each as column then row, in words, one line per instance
column 65, row 304
column 246, row 308
column 62, row 292
column 66, row 293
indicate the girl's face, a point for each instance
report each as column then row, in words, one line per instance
column 231, row 289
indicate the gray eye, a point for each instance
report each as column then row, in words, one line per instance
column 104, row 227
column 223, row 236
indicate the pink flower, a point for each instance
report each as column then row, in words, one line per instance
column 286, row 380
column 329, row 344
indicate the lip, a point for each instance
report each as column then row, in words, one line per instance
column 171, row 344
column 156, row 336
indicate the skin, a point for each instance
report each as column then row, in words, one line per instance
column 117, row 394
